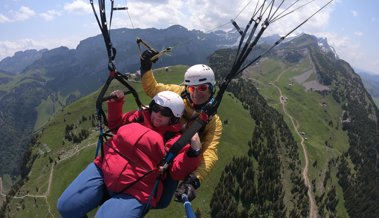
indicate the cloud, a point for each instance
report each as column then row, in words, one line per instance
column 50, row 15
column 155, row 1
column 351, row 51
column 358, row 33
column 22, row 14
column 78, row 6
column 145, row 14
column 347, row 48
column 25, row 13
column 207, row 15
column 4, row 19
column 8, row 47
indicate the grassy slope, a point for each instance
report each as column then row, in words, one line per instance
column 16, row 80
column 4, row 86
column 312, row 118
column 236, row 134
column 47, row 107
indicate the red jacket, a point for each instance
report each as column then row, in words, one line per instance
column 140, row 148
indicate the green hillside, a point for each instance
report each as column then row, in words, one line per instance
column 312, row 91
column 26, row 105
column 317, row 118
column 61, row 160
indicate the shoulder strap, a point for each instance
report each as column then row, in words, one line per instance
column 168, row 135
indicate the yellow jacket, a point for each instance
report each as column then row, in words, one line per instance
column 209, row 137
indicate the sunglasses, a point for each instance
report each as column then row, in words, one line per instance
column 163, row 110
column 200, row 88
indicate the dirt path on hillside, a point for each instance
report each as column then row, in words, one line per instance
column 313, row 210
column 68, row 154
column 2, row 195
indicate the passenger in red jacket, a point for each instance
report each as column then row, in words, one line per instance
column 130, row 164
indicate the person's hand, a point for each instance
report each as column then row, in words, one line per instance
column 146, row 62
column 187, row 187
column 118, row 95
column 195, row 142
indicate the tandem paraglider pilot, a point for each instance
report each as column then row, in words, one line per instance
column 198, row 89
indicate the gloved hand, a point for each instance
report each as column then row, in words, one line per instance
column 146, row 62
column 187, row 187
column 118, row 95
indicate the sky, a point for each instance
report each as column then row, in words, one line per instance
column 348, row 25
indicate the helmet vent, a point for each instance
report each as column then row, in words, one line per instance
column 203, row 79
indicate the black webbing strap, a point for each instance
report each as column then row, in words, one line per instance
column 197, row 124
column 113, row 73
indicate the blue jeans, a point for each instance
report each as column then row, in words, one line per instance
column 88, row 191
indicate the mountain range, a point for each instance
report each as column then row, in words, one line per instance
column 309, row 146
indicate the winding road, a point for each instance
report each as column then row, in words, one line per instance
column 68, row 154
column 313, row 210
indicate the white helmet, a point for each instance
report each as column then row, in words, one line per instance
column 170, row 100
column 199, row 74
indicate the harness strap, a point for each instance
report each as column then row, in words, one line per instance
column 113, row 73
column 153, row 193
column 136, row 181
column 198, row 123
